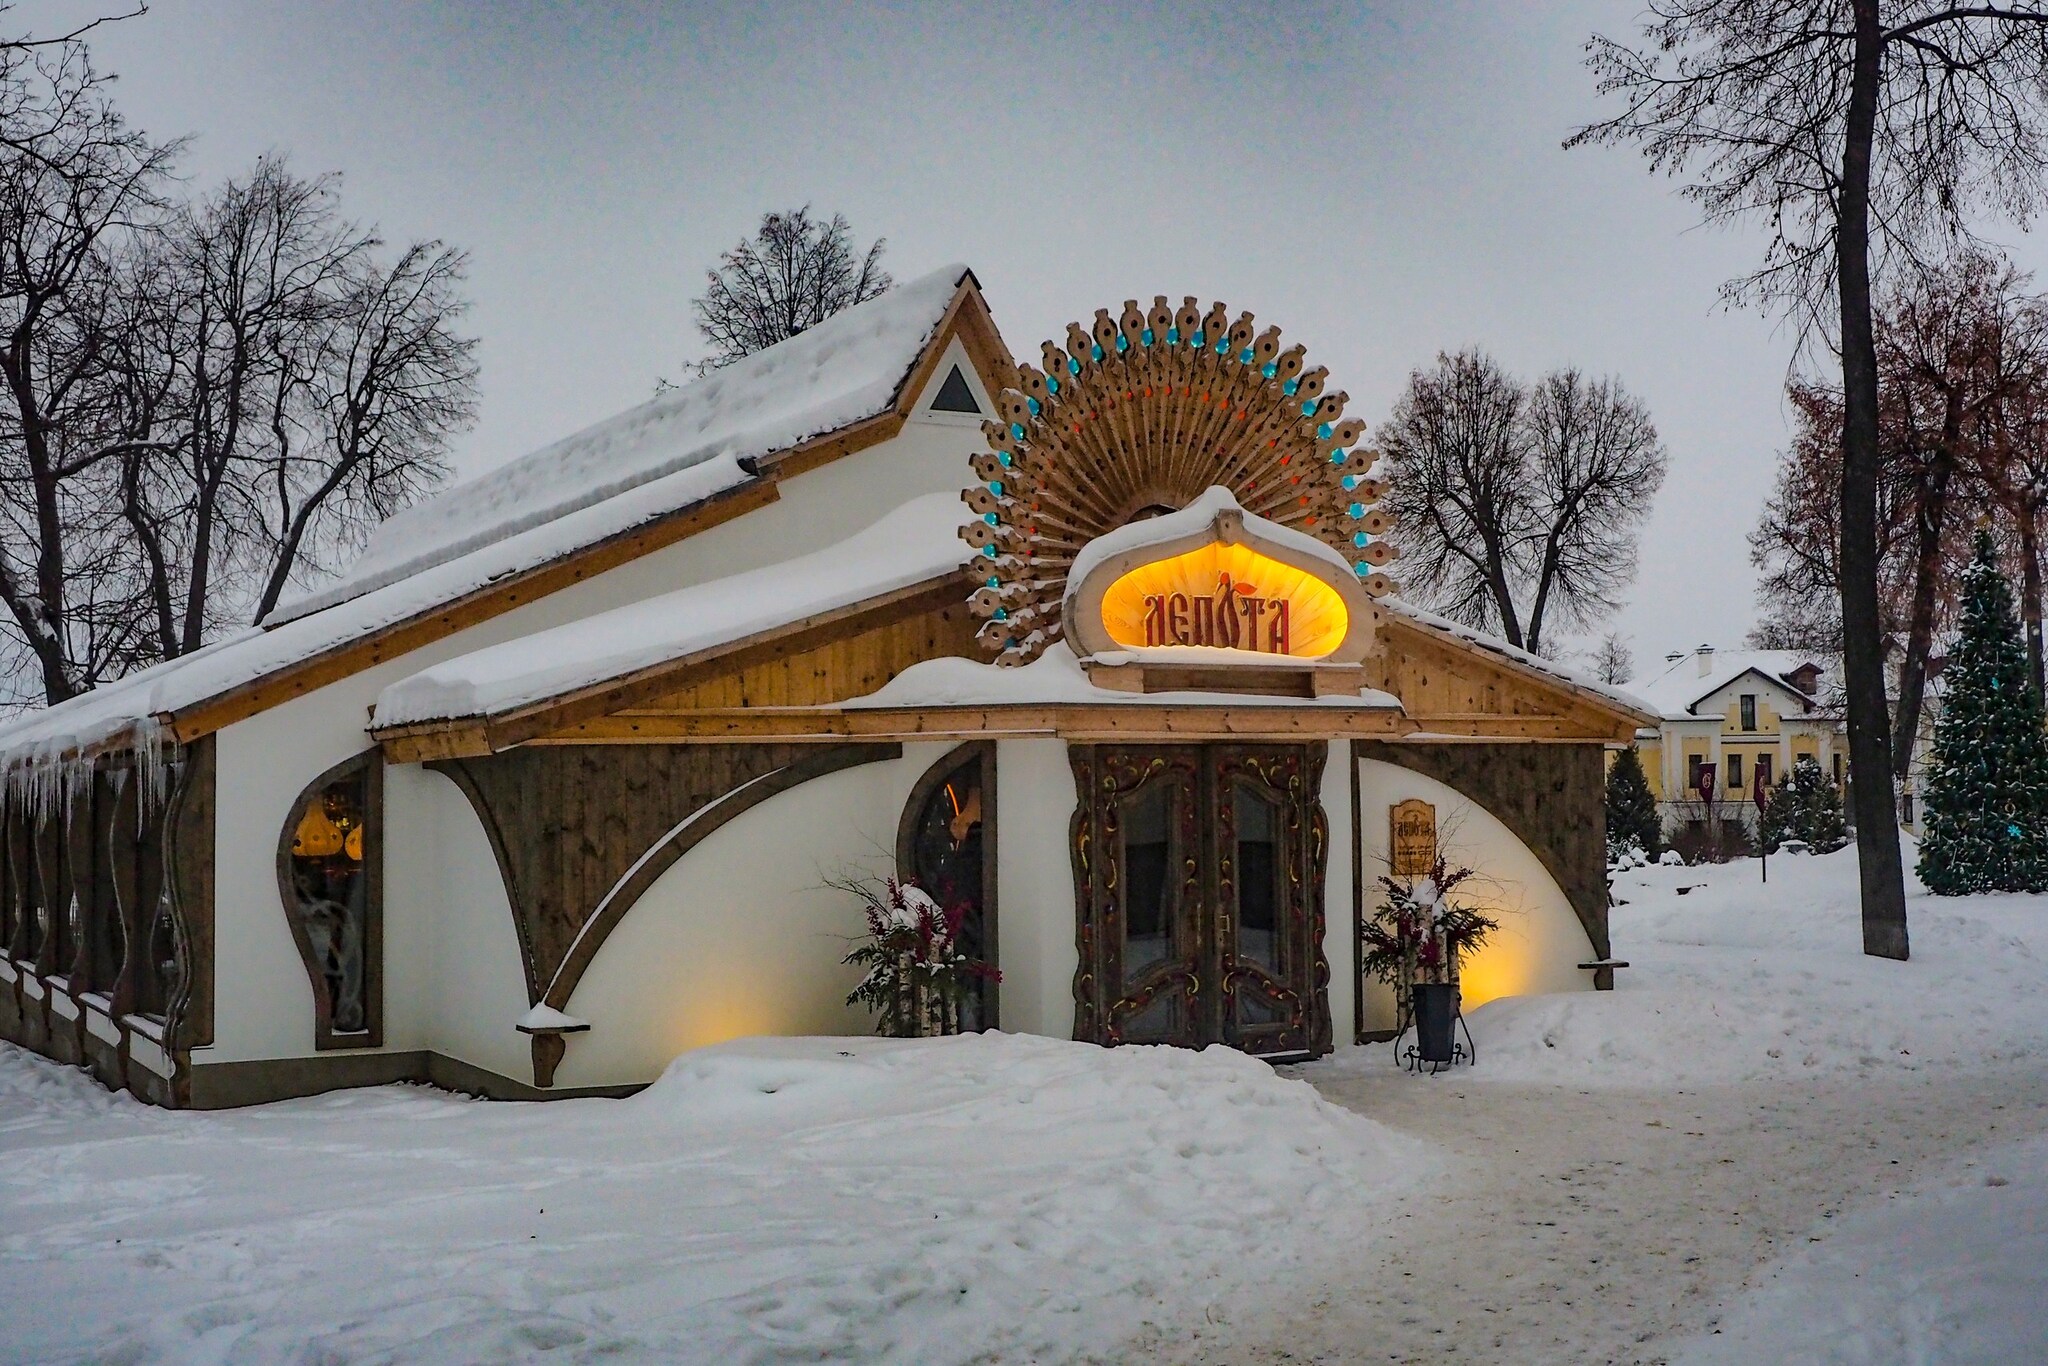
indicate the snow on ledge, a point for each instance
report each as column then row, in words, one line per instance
column 1057, row 678
column 917, row 542
column 545, row 1019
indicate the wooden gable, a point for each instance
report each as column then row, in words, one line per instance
column 1456, row 688
column 777, row 682
column 789, row 682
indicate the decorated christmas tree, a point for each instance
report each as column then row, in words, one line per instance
column 1987, row 787
column 1632, row 817
column 1806, row 807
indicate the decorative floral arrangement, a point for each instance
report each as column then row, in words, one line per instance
column 916, row 975
column 1420, row 933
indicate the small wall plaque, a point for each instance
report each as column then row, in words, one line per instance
column 1412, row 849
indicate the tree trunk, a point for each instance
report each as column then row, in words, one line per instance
column 1877, row 829
column 1929, row 524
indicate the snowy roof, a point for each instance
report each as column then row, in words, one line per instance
column 845, row 369
column 125, row 712
column 917, row 542
column 1676, row 689
column 657, row 459
column 1627, row 698
column 1056, row 677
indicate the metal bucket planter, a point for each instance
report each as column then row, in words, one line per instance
column 1436, row 1007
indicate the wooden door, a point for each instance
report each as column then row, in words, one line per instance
column 1198, row 878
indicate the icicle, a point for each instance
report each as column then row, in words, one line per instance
column 44, row 779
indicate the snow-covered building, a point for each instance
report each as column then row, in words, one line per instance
column 1734, row 719
column 549, row 786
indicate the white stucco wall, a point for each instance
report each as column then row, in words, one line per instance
column 263, row 1002
column 741, row 936
column 464, row 986
column 1540, row 942
column 1035, row 886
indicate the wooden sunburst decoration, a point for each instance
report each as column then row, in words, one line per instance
column 1141, row 414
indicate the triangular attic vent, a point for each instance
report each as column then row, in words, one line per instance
column 955, row 396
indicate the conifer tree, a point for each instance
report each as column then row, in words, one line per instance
column 1631, row 809
column 1807, row 807
column 1987, row 789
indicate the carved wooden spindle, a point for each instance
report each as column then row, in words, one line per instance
column 1146, row 409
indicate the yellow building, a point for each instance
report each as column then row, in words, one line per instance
column 1743, row 716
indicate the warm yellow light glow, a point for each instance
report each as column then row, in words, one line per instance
column 1505, row 966
column 716, row 1016
column 1225, row 595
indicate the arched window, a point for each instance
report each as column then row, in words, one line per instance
column 946, row 843
column 330, row 873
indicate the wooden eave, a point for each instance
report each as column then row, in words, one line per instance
column 478, row 605
column 967, row 316
column 630, row 710
column 613, row 702
column 1559, row 709
column 1078, row 721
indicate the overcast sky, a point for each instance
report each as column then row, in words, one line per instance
column 1380, row 181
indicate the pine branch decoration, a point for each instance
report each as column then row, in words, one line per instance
column 1143, row 413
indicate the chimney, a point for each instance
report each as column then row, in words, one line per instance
column 1674, row 656
column 1705, row 656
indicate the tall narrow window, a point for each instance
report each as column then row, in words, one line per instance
column 1749, row 711
column 946, row 844
column 1148, row 882
column 1734, row 771
column 331, row 876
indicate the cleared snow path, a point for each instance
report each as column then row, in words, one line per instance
column 988, row 1198
column 1750, row 1152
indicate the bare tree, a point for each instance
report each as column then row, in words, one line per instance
column 77, row 184
column 1861, row 132
column 317, row 391
column 198, row 403
column 795, row 272
column 1456, row 488
column 1959, row 346
column 1519, row 507
column 1612, row 661
column 390, row 383
column 1596, row 464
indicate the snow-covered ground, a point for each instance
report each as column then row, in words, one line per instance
column 1733, row 979
column 996, row 1197
column 1762, row 1147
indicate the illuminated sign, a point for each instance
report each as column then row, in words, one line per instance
column 1225, row 596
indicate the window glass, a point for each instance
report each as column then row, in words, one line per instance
column 1258, row 878
column 330, row 886
column 1749, row 711
column 946, row 859
column 1148, row 878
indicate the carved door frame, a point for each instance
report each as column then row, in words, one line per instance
column 1204, row 990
